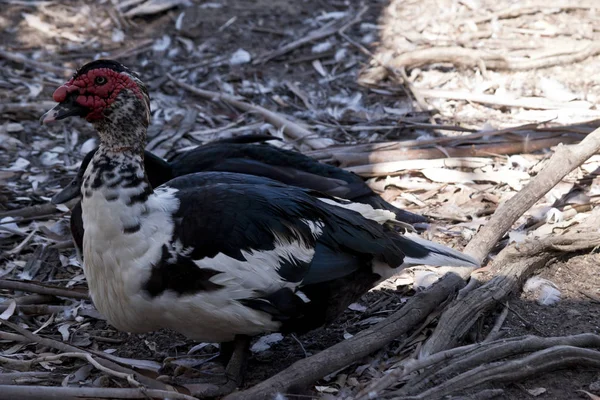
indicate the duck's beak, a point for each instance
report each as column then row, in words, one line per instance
column 65, row 109
column 72, row 191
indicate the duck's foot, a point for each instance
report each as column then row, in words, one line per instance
column 220, row 384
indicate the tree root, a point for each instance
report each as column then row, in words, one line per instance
column 460, row 368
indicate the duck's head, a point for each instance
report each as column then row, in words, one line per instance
column 110, row 96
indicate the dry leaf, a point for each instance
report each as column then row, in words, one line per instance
column 326, row 389
column 536, row 391
column 265, row 342
column 10, row 310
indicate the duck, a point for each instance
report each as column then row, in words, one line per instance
column 217, row 256
column 241, row 155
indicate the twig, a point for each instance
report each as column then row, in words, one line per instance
column 417, row 164
column 43, row 289
column 289, row 128
column 35, row 107
column 8, row 378
column 36, row 211
column 477, row 58
column 130, row 378
column 37, row 309
column 527, row 129
column 11, row 392
column 518, row 10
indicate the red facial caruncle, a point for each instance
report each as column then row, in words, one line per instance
column 97, row 89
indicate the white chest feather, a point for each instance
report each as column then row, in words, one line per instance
column 116, row 263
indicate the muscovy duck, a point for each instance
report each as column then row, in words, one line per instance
column 240, row 156
column 215, row 255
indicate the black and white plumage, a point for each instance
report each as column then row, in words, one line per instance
column 213, row 255
column 239, row 155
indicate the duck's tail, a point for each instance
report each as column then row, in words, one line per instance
column 418, row 251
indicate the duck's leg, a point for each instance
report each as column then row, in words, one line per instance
column 234, row 355
column 239, row 357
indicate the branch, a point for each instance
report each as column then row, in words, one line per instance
column 43, row 289
column 11, row 392
column 290, row 128
column 321, row 33
column 378, row 162
column 534, row 103
column 36, row 211
column 516, row 263
column 474, row 58
column 564, row 160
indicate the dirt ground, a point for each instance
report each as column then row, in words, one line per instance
column 333, row 86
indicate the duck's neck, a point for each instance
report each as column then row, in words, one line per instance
column 118, row 173
column 115, row 192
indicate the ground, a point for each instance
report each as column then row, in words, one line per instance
column 334, row 85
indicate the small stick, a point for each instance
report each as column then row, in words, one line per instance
column 37, row 309
column 43, row 289
column 364, row 159
column 527, row 129
column 8, row 378
column 477, row 58
column 320, row 33
column 129, row 377
column 564, row 160
column 11, row 392
column 36, row 211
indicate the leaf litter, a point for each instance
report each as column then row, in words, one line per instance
column 312, row 65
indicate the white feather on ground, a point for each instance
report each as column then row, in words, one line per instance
column 546, row 292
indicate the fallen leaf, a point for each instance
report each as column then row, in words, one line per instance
column 357, row 307
column 64, row 331
column 326, row 389
column 536, row 391
column 10, row 310
column 265, row 342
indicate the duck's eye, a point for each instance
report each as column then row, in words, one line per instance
column 100, row 80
